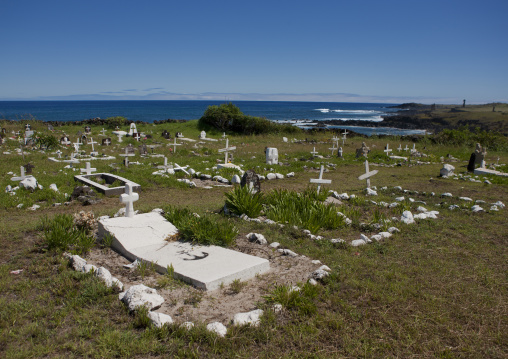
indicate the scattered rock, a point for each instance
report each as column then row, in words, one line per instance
column 476, row 208
column 30, row 183
column 257, row 238
column 141, row 295
column 407, row 217
column 217, row 328
column 249, row 318
column 287, row 252
column 159, row 319
column 77, row 263
column 447, row 170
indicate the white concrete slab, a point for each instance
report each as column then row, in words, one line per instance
column 207, row 267
column 486, row 171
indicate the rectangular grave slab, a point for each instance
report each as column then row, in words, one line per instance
column 207, row 267
column 90, row 180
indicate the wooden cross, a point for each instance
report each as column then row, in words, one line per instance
column 400, row 148
column 103, row 132
column 314, row 152
column 367, row 174
column 320, row 180
column 88, row 170
column 175, row 144
column 387, row 150
column 178, row 168
column 226, row 150
column 165, row 166
column 129, row 197
column 344, row 136
column 92, row 142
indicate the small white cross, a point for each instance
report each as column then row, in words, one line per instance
column 333, row 148
column 178, row 168
column 406, row 148
column 413, row 150
column 165, row 166
column 22, row 176
column 129, row 197
column 175, row 144
column 66, row 141
column 103, row 132
column 314, row 152
column 387, row 150
column 88, row 169
column 400, row 148
column 107, row 142
column 367, row 174
column 91, row 142
column 320, row 180
column 344, row 136
column 59, row 153
column 226, row 150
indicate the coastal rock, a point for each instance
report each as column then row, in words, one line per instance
column 249, row 318
column 141, row 295
column 217, row 328
column 159, row 319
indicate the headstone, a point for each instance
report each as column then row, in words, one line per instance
column 175, row 144
column 28, row 135
column 22, row 175
column 202, row 135
column 106, row 141
column 320, row 180
column 88, row 169
column 165, row 134
column 65, row 141
column 88, row 129
column 472, row 161
column 28, row 127
column 344, row 134
column 362, row 151
column 272, row 156
column 339, row 153
column 367, row 174
column 179, row 135
column 84, row 139
column 447, row 170
column 129, row 150
column 129, row 197
column 133, row 129
column 29, row 167
column 284, row 139
column 137, row 136
column 92, row 142
column 143, row 150
column 120, row 135
column 50, row 128
column 480, row 154
column 251, row 180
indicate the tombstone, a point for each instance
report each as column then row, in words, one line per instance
column 165, row 134
column 362, row 151
column 320, row 180
column 137, row 136
column 480, row 154
column 79, row 133
column 387, row 150
column 92, row 142
column 88, row 129
column 175, row 144
column 106, row 141
column 133, row 129
column 28, row 168
column 272, row 156
column 50, row 128
column 143, row 150
column 202, row 135
column 28, row 136
column 84, row 139
column 65, row 141
column 28, row 127
column 129, row 197
column 344, row 134
column 129, row 150
column 179, row 135
column 120, row 135
column 472, row 161
column 88, row 169
column 251, row 180
column 399, row 148
column 339, row 153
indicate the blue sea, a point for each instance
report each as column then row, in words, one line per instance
column 303, row 114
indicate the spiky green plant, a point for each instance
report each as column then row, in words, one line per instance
column 242, row 201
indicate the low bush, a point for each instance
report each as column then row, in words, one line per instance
column 60, row 233
column 242, row 201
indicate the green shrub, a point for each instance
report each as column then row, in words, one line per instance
column 242, row 201
column 202, row 230
column 60, row 233
column 302, row 300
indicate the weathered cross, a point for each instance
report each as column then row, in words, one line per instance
column 333, row 148
column 400, row 148
column 88, row 169
column 107, row 142
column 226, row 150
column 103, row 132
column 406, row 148
column 178, row 168
column 413, row 150
column 387, row 149
column 76, row 145
column 320, row 180
column 129, row 197
column 367, row 174
column 314, row 152
column 165, row 166
column 175, row 144
column 66, row 141
column 137, row 136
column 92, row 142
column 344, row 136
column 22, row 176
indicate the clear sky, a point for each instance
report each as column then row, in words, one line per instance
column 362, row 50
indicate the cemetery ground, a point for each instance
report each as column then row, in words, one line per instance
column 435, row 289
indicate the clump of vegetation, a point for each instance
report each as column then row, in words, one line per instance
column 294, row 298
column 464, row 136
column 113, row 122
column 242, row 201
column 47, row 141
column 60, row 233
column 229, row 118
column 236, row 286
column 203, row 230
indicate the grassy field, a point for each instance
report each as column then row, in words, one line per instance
column 436, row 289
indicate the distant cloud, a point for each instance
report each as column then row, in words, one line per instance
column 130, row 90
column 153, row 89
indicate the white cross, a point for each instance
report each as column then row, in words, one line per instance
column 413, row 150
column 333, row 148
column 226, row 150
column 387, row 150
column 103, row 132
column 76, row 145
column 165, row 166
column 314, row 152
column 133, row 129
column 224, row 135
column 400, row 148
column 175, row 144
column 178, row 168
column 22, row 176
column 129, row 197
column 340, row 152
column 107, row 142
column 59, row 153
column 367, row 174
column 406, row 148
column 66, row 141
column 88, row 170
column 91, row 142
column 344, row 136
column 320, row 180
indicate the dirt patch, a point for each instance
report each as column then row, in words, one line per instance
column 186, row 303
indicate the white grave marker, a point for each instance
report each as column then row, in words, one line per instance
column 103, row 132
column 387, row 150
column 88, row 169
column 367, row 174
column 226, row 150
column 344, row 136
column 320, row 180
column 129, row 197
column 314, row 152
column 22, row 176
column 175, row 144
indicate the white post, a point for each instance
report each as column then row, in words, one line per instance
column 129, row 197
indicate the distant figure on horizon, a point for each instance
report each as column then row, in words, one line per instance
column 464, row 103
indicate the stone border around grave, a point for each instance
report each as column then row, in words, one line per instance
column 109, row 178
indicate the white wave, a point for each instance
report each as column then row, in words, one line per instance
column 323, row 110
column 368, row 119
column 356, row 111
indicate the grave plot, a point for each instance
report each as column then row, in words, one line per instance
column 93, row 180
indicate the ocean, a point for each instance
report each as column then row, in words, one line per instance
column 299, row 113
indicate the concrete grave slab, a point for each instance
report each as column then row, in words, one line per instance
column 143, row 237
column 90, row 180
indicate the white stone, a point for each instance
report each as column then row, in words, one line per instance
column 287, row 252
column 29, row 183
column 337, row 240
column 274, row 244
column 499, row 204
column 446, row 194
column 217, row 328
column 290, row 174
column 271, row 176
column 452, row 207
column 447, row 170
column 394, row 204
column 34, row 207
column 89, row 268
column 358, row 242
column 249, row 318
column 399, row 188
column 159, row 319
column 277, row 307
column 77, row 263
column 494, row 208
column 399, row 199
column 376, row 237
column 421, row 209
column 205, row 267
column 187, row 325
column 141, row 295
column 467, row 199
column 115, row 282
column 407, row 217
column 236, row 179
column 8, row 189
column 279, row 176
column 312, row 281
column 316, row 261
column 319, row 274
column 257, row 238
column 386, row 234
column 476, row 208
column 370, row 192
column 272, row 156
column 53, row 187
column 104, row 275
column 325, row 268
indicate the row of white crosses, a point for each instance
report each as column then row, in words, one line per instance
column 226, row 151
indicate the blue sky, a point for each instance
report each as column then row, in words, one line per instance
column 354, row 51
